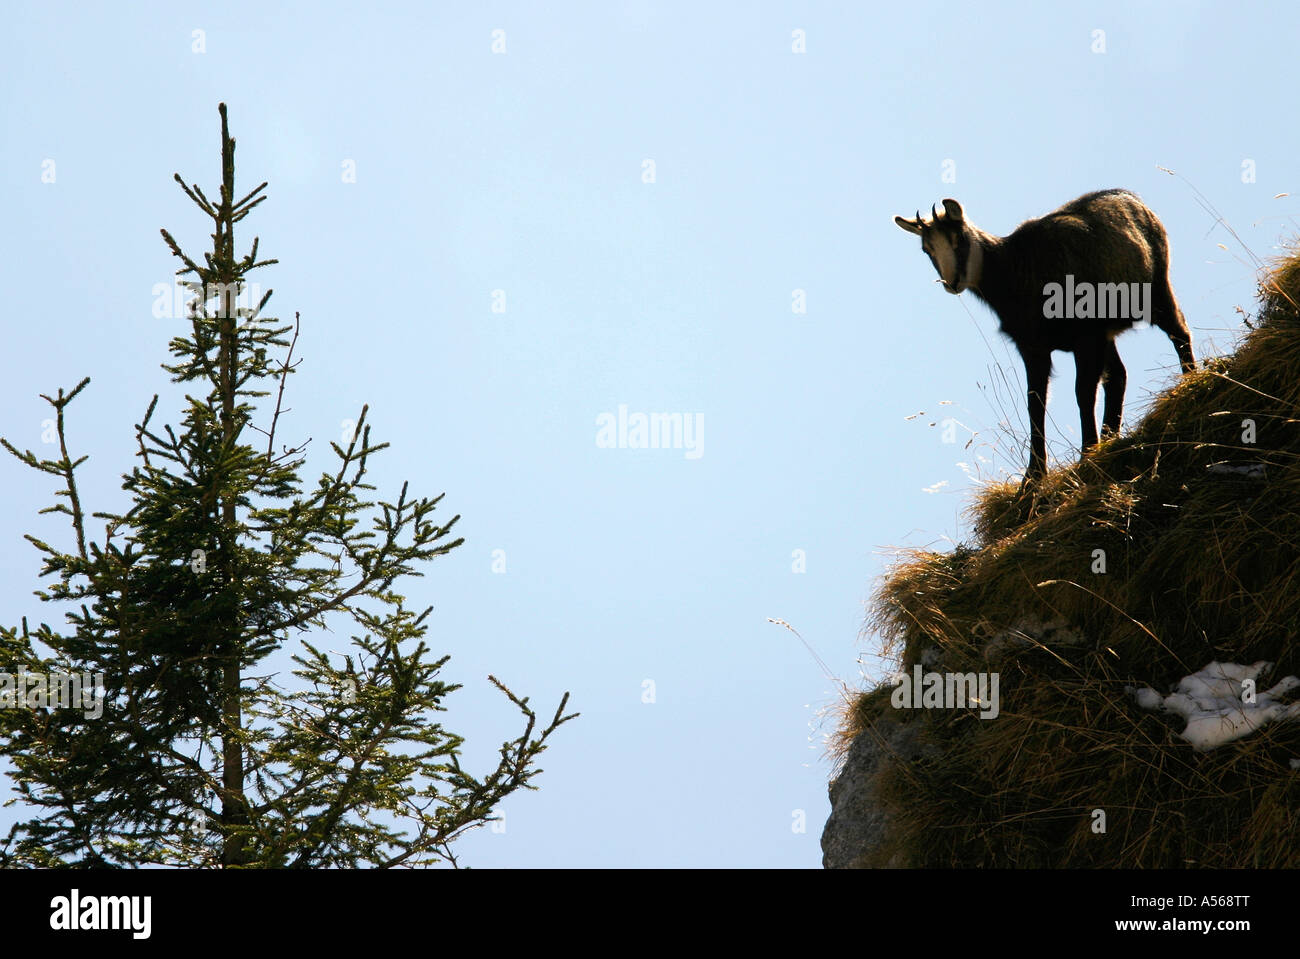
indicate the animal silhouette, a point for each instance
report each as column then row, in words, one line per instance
column 1071, row 280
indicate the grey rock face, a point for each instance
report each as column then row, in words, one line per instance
column 857, row 832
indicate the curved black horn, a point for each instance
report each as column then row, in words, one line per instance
column 933, row 215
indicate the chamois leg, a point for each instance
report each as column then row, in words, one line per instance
column 1115, row 379
column 1089, row 359
column 1038, row 367
column 1166, row 315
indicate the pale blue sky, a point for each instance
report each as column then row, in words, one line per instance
column 522, row 171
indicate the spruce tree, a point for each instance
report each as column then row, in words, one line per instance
column 199, row 756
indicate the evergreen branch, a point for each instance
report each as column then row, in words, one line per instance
column 279, row 398
column 200, row 200
column 240, row 206
column 190, row 265
column 64, row 466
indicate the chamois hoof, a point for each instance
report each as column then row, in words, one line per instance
column 1027, row 500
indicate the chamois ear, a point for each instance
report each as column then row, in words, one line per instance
column 952, row 209
column 911, row 226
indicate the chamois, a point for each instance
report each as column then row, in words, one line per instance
column 1071, row 280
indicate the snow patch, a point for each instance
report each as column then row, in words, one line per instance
column 1211, row 702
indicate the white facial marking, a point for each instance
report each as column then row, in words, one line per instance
column 945, row 261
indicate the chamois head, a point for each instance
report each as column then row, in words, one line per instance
column 950, row 243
